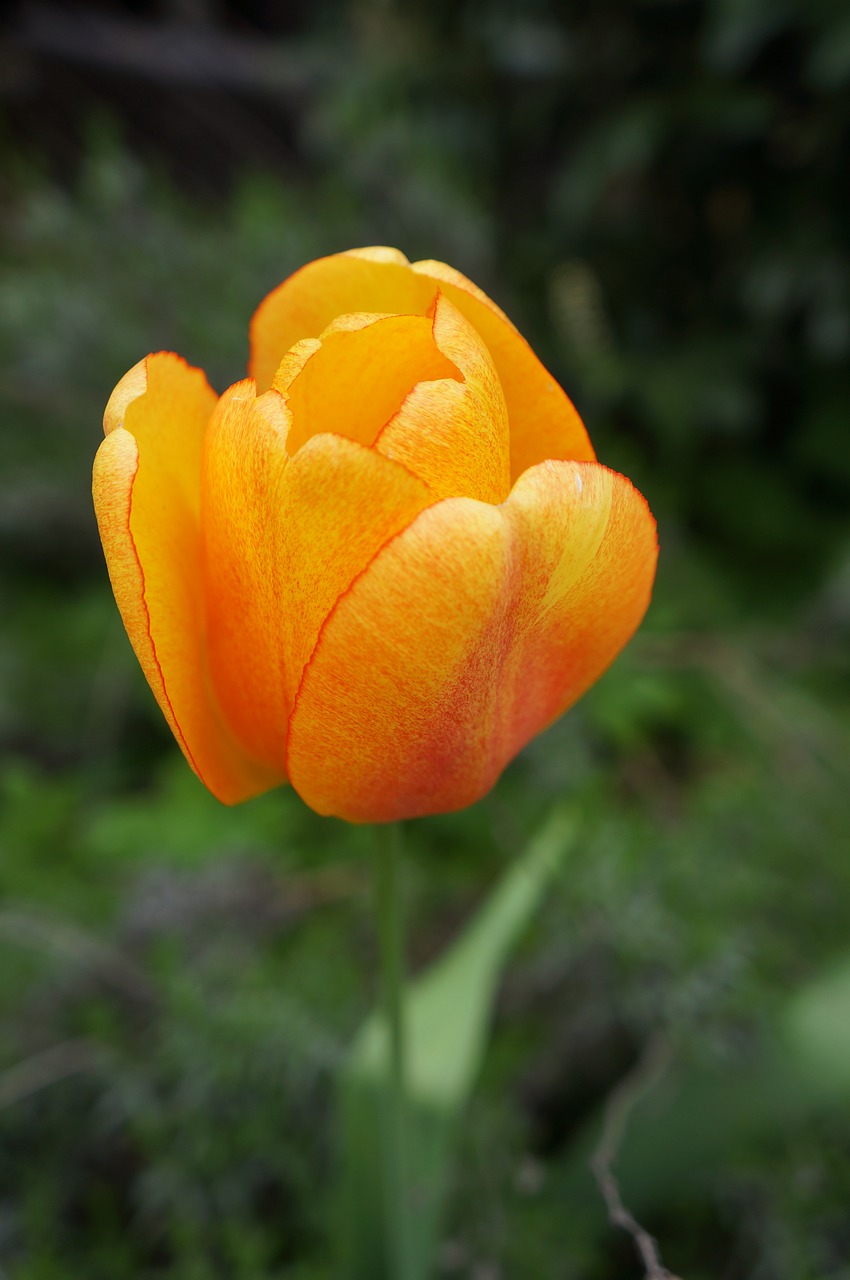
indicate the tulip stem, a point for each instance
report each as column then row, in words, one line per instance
column 397, row 1203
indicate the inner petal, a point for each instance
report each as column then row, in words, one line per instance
column 355, row 377
column 454, row 434
column 245, row 465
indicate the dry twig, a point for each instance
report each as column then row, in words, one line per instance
column 627, row 1094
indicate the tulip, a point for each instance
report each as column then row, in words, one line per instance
column 380, row 565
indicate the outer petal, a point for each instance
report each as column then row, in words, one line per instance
column 544, row 423
column 588, row 547
column 455, row 434
column 146, row 487
column 283, row 538
column 467, row 635
column 132, row 385
column 356, row 377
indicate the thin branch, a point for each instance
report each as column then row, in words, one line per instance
column 67, row 941
column 167, row 52
column 621, row 1102
column 772, row 704
column 46, row 1068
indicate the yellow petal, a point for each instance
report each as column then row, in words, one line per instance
column 146, row 487
column 543, row 421
column 341, row 505
column 448, row 276
column 466, row 636
column 132, row 385
column 305, row 304
column 454, row 435
column 357, row 375
column 383, row 726
column 245, row 462
column 587, row 543
column 283, row 539
column 379, row 253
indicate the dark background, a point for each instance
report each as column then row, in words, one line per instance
column 657, row 194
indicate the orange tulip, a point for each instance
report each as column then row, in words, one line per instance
column 380, row 565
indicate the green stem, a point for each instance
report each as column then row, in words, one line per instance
column 391, row 931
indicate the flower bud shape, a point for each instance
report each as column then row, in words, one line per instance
column 381, row 564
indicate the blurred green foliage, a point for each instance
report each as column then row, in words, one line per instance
column 654, row 194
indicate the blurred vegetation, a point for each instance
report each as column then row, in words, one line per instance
column 654, row 194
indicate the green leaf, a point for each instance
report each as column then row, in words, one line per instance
column 449, row 1008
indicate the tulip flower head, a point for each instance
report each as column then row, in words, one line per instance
column 381, row 564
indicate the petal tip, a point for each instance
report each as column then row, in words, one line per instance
column 136, row 383
column 131, row 386
column 379, row 253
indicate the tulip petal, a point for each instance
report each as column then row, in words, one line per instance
column 146, row 487
column 244, row 469
column 455, row 434
column 341, row 504
column 283, row 538
column 379, row 253
column 357, row 375
column 468, row 634
column 544, row 423
column 132, row 385
column 589, row 549
column 305, row 304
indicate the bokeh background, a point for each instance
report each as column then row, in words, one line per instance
column 656, row 193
